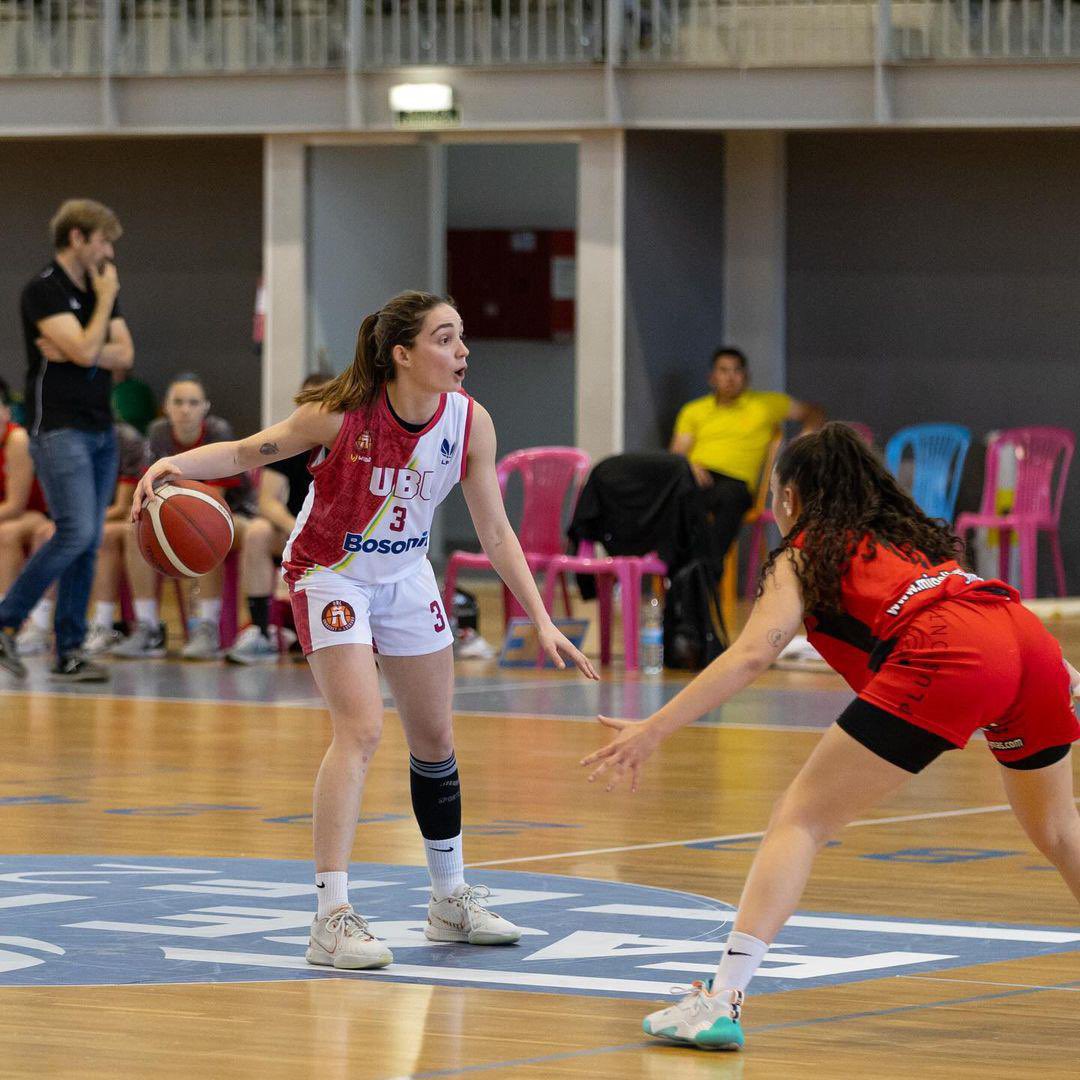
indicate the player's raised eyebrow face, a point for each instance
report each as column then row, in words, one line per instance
column 442, row 326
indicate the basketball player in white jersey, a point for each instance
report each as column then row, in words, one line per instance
column 394, row 433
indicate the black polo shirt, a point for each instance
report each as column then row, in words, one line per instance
column 64, row 395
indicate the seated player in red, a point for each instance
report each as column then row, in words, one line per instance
column 187, row 423
column 934, row 654
column 23, row 512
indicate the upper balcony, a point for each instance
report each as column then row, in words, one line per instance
column 72, row 66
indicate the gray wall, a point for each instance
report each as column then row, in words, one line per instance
column 370, row 220
column 934, row 277
column 527, row 386
column 512, row 186
column 674, row 276
column 189, row 258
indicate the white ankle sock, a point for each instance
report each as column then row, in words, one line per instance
column 147, row 611
column 42, row 614
column 741, row 959
column 332, row 890
column 446, row 865
column 104, row 614
column 210, row 610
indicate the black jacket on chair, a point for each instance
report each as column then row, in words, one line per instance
column 637, row 503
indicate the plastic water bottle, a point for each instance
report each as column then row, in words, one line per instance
column 652, row 635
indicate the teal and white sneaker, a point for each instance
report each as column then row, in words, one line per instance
column 705, row 1018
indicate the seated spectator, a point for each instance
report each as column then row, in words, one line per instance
column 23, row 511
column 726, row 435
column 187, row 423
column 283, row 487
column 105, row 593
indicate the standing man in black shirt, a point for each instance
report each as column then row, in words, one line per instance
column 75, row 339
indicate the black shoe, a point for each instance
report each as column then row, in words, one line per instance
column 9, row 654
column 76, row 668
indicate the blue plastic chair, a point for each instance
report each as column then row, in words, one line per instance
column 938, row 452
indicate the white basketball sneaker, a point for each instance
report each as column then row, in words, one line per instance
column 461, row 916
column 342, row 940
column 704, row 1018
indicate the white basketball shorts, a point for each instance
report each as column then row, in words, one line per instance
column 405, row 618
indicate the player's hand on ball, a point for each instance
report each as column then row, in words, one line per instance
column 557, row 645
column 630, row 747
column 158, row 473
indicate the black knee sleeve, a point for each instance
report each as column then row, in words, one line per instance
column 436, row 797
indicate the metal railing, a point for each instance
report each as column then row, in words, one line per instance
column 50, row 37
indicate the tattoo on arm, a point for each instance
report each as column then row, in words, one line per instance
column 775, row 637
column 268, row 448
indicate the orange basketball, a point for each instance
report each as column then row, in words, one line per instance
column 185, row 530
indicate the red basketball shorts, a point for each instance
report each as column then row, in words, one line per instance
column 984, row 662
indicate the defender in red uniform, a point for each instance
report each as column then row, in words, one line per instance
column 933, row 653
column 391, row 435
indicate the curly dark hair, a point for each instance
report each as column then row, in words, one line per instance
column 846, row 493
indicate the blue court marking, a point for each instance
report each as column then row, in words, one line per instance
column 114, row 920
column 657, row 1045
column 940, row 855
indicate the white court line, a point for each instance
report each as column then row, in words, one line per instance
column 742, row 836
column 987, row 982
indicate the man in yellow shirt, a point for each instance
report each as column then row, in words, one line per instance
column 725, row 436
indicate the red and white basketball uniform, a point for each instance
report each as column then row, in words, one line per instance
column 947, row 651
column 356, row 562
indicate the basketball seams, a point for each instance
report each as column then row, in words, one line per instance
column 156, row 507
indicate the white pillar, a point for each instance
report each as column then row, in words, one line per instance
column 284, row 358
column 599, row 338
column 755, row 252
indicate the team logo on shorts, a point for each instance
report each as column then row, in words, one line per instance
column 338, row 616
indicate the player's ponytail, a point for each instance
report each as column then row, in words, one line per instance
column 397, row 322
column 846, row 493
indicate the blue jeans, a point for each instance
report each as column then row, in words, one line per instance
column 77, row 470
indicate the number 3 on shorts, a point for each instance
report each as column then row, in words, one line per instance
column 440, row 622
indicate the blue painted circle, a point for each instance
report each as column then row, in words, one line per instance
column 114, row 920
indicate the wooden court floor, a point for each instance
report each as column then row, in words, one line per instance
column 108, row 777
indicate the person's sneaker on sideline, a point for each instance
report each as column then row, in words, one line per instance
column 203, row 642
column 342, row 940
column 9, row 654
column 252, row 646
column 145, row 642
column 707, row 1019
column 33, row 640
column 461, row 916
column 76, row 668
column 100, row 639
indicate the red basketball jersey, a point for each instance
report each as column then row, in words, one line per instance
column 372, row 500
column 879, row 596
column 36, row 500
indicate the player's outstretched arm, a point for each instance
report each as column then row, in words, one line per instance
column 500, row 544
column 308, row 426
column 776, row 618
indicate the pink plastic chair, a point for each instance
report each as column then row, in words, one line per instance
column 864, row 431
column 1041, row 452
column 629, row 571
column 548, row 474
